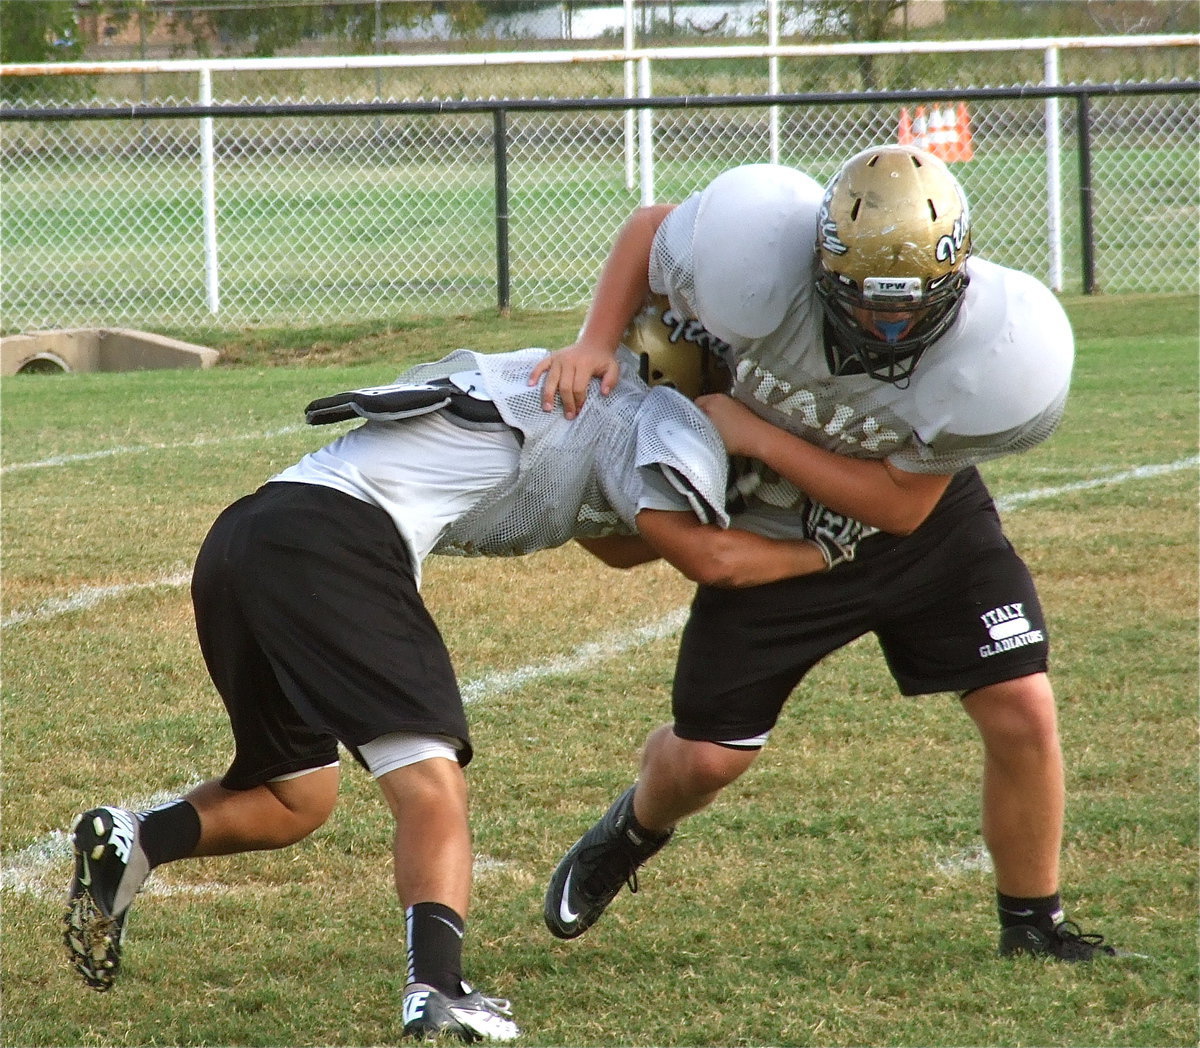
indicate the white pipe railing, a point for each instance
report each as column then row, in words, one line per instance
column 208, row 180
column 1053, row 173
column 773, row 75
column 646, row 133
column 630, row 76
column 622, row 54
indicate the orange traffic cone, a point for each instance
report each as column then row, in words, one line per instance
column 964, row 146
column 920, row 129
column 905, row 136
column 949, row 134
column 937, row 132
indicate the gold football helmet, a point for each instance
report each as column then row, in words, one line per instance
column 674, row 352
column 893, row 236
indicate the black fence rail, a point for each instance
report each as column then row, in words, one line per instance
column 1131, row 171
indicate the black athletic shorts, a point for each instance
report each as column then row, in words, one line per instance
column 952, row 605
column 313, row 631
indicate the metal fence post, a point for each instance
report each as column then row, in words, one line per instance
column 646, row 133
column 209, row 192
column 630, row 141
column 773, row 76
column 1086, row 234
column 500, row 152
column 1053, row 168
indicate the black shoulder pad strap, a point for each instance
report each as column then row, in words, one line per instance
column 386, row 403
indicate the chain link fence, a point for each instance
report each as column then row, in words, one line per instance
column 318, row 218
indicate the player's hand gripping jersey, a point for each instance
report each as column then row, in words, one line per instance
column 456, row 483
column 738, row 256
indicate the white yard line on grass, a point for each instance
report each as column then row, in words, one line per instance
column 138, row 449
column 585, row 655
column 38, row 869
column 89, row 596
column 1019, row 498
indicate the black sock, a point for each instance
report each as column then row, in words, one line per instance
column 640, row 835
column 435, row 938
column 1043, row 913
column 169, row 832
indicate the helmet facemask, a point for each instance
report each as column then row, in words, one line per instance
column 892, row 243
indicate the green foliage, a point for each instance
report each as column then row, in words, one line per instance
column 262, row 30
column 35, row 31
column 856, row 20
column 978, row 19
column 38, row 31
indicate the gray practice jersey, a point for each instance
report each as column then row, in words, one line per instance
column 739, row 257
column 534, row 480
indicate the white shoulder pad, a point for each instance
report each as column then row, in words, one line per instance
column 512, row 366
column 676, row 436
column 1006, row 360
column 753, row 248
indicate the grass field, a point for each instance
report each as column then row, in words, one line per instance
column 837, row 895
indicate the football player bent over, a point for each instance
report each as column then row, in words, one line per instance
column 310, row 620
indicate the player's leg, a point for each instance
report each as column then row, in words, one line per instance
column 743, row 651
column 428, row 801
column 1023, row 793
column 426, row 791
column 116, row 849
column 279, row 788
column 1023, row 812
column 274, row 815
column 679, row 777
column 363, row 658
column 975, row 626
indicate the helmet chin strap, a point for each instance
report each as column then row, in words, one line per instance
column 839, row 357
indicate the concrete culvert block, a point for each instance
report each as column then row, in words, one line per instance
column 98, row 349
column 43, row 363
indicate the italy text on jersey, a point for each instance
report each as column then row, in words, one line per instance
column 835, row 421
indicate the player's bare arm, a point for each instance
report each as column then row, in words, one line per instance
column 621, row 551
column 872, row 491
column 622, row 288
column 706, row 553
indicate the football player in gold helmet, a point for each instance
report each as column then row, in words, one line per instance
column 874, row 361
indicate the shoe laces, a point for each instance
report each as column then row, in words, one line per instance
column 1076, row 943
column 616, row 861
column 502, row 1005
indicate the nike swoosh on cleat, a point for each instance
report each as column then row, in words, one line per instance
column 1019, row 913
column 564, row 909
